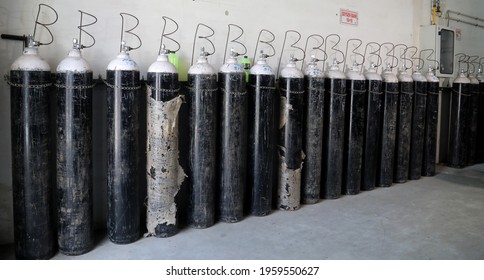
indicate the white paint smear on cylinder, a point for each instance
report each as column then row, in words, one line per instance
column 164, row 173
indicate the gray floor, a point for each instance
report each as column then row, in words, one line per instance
column 441, row 217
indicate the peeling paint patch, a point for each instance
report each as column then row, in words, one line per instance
column 289, row 190
column 284, row 111
column 165, row 175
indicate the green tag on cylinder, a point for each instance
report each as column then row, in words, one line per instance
column 173, row 58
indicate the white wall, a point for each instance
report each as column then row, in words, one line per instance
column 379, row 20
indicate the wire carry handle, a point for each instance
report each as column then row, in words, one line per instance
column 123, row 46
column 212, row 32
column 334, row 48
column 235, row 41
column 413, row 50
column 266, row 42
column 373, row 53
column 78, row 42
column 480, row 64
column 166, row 35
column 315, row 49
column 463, row 58
column 44, row 25
column 354, row 52
column 473, row 60
column 403, row 56
column 429, row 59
column 293, row 45
column 390, row 54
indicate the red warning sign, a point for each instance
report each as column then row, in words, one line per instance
column 348, row 17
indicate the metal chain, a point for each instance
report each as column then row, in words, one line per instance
column 262, row 87
column 234, row 92
column 207, row 89
column 292, row 91
column 75, row 87
column 123, row 88
column 163, row 89
column 7, row 79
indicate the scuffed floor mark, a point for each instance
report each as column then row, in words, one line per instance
column 165, row 174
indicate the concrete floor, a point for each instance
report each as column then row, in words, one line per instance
column 439, row 217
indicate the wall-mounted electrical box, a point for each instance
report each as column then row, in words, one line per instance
column 441, row 39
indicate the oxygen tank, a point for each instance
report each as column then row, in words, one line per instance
column 371, row 141
column 431, row 115
column 164, row 174
column 123, row 151
column 333, row 131
column 480, row 119
column 355, row 123
column 202, row 107
column 418, row 125
column 459, row 121
column 233, row 140
column 388, row 129
column 262, row 136
column 313, row 133
column 404, row 125
column 30, row 88
column 74, row 153
column 473, row 120
column 291, row 85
